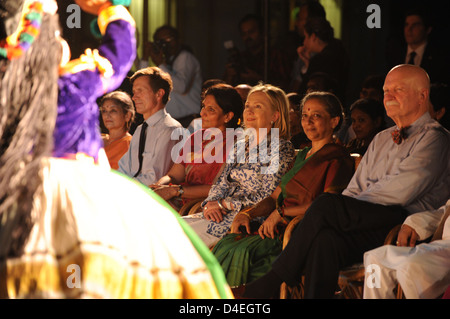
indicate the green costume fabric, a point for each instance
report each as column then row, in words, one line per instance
column 244, row 259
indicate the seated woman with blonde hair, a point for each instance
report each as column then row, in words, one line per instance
column 117, row 112
column 247, row 253
column 204, row 153
column 254, row 168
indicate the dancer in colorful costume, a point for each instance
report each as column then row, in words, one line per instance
column 69, row 226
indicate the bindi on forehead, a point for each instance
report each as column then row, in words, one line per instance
column 110, row 105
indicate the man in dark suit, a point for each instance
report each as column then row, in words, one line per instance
column 420, row 50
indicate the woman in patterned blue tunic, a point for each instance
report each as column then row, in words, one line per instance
column 254, row 168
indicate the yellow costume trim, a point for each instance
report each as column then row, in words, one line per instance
column 113, row 13
column 90, row 60
column 101, row 272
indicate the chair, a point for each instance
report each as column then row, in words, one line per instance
column 436, row 236
column 357, row 158
column 352, row 284
column 197, row 208
column 350, row 276
column 351, row 279
column 191, row 205
column 287, row 292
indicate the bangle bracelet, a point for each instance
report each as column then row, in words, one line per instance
column 221, row 206
column 246, row 214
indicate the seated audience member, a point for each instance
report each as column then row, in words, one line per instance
column 117, row 112
column 298, row 136
column 367, row 120
column 323, row 167
column 440, row 104
column 423, row 271
column 209, row 83
column 243, row 90
column 70, row 228
column 322, row 82
column 149, row 156
column 196, row 123
column 372, row 88
column 254, row 167
column 405, row 170
column 204, row 153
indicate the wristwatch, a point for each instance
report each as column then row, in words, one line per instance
column 180, row 190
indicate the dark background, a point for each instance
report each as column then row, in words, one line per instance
column 206, row 24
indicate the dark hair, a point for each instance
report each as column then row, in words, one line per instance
column 209, row 83
column 124, row 101
column 423, row 13
column 440, row 96
column 253, row 17
column 331, row 104
column 315, row 9
column 295, row 99
column 373, row 108
column 173, row 31
column 158, row 79
column 374, row 81
column 28, row 111
column 229, row 100
column 321, row 28
column 326, row 81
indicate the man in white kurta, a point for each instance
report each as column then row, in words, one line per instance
column 422, row 271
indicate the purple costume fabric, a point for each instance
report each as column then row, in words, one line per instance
column 77, row 125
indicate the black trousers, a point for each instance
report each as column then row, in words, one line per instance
column 335, row 233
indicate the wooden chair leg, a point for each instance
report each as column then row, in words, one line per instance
column 399, row 294
column 287, row 292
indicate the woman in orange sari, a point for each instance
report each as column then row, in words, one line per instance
column 117, row 114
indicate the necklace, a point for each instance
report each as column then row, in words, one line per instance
column 110, row 141
column 20, row 41
column 310, row 152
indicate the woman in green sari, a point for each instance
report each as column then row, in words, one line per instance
column 248, row 252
